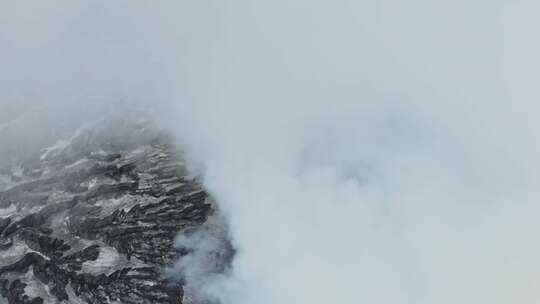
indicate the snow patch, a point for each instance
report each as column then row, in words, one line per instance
column 35, row 288
column 56, row 148
column 109, row 261
column 108, row 258
column 125, row 202
column 77, row 163
column 14, row 253
column 9, row 211
column 62, row 144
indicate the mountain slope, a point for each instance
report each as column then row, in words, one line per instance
column 93, row 218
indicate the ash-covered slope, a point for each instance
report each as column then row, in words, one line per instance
column 93, row 218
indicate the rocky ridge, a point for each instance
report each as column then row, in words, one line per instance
column 93, row 218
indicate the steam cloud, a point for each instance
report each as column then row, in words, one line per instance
column 361, row 151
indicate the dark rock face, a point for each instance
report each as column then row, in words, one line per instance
column 93, row 219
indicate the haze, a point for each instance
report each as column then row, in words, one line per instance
column 360, row 151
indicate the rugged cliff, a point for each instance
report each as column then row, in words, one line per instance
column 93, row 218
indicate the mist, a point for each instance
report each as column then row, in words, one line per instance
column 68, row 63
column 368, row 151
column 360, row 151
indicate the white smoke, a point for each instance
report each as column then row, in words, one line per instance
column 368, row 151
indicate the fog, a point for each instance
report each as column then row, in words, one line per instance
column 65, row 63
column 360, row 151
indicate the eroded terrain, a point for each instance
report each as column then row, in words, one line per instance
column 93, row 218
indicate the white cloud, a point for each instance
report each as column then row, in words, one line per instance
column 369, row 151
column 362, row 151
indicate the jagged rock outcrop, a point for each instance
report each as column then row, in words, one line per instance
column 94, row 217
